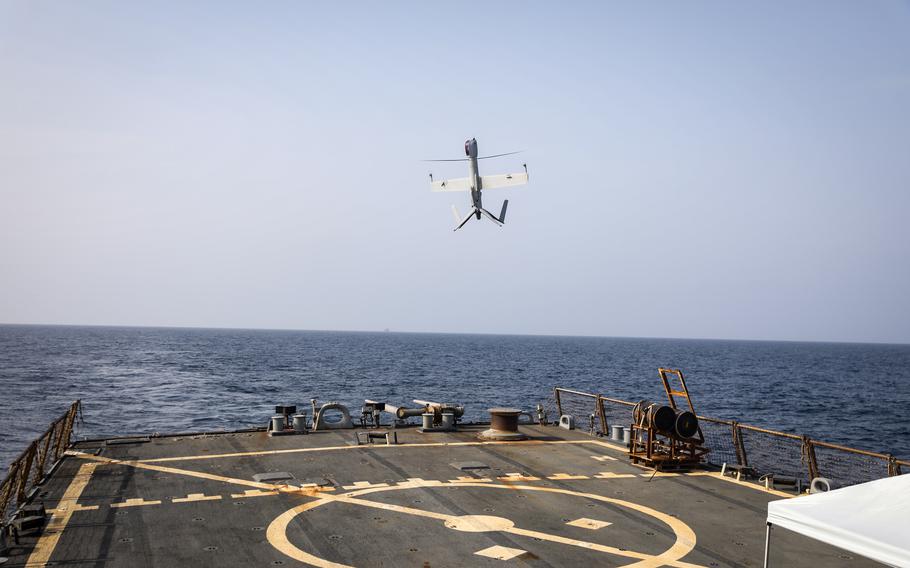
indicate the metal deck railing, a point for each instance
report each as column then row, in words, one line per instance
column 765, row 451
column 38, row 460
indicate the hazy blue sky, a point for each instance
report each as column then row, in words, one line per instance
column 697, row 169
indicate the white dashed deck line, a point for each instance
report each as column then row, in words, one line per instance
column 134, row 503
column 192, row 497
column 586, row 523
column 500, row 552
column 566, row 476
column 613, row 475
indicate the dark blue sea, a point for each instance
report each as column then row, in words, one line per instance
column 144, row 380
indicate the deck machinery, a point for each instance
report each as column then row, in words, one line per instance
column 667, row 437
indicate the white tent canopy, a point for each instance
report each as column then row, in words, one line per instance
column 871, row 519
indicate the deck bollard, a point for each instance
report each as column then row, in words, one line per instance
column 616, row 433
column 503, row 425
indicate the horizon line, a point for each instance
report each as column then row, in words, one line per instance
column 388, row 330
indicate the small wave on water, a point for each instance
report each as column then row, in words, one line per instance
column 144, row 380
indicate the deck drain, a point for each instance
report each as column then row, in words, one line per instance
column 489, row 509
column 122, row 513
column 590, row 505
column 418, row 501
column 277, row 562
column 257, row 529
column 335, row 536
column 413, row 549
column 738, row 544
column 126, row 539
column 238, row 502
column 211, row 548
column 846, row 556
column 649, row 533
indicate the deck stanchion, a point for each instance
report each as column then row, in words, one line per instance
column 741, row 457
column 767, row 543
column 809, row 456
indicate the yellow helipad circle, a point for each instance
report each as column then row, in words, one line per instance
column 685, row 536
column 479, row 523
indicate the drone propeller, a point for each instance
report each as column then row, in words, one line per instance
column 498, row 155
column 479, row 157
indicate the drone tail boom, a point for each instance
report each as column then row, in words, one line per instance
column 490, row 216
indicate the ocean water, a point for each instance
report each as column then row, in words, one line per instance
column 144, row 380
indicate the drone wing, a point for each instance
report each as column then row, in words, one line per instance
column 503, row 180
column 457, row 184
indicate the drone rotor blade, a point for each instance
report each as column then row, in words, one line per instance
column 500, row 155
column 452, row 160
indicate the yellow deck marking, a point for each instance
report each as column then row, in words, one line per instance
column 586, row 523
column 196, row 497
column 75, row 507
column 186, row 472
column 364, row 485
column 517, row 477
column 613, row 475
column 253, row 493
column 566, row 476
column 140, row 502
column 467, row 479
column 479, row 523
column 500, row 552
column 379, row 447
column 660, row 474
column 47, row 542
column 685, row 537
column 276, row 532
column 603, row 458
column 756, row 486
column 418, row 482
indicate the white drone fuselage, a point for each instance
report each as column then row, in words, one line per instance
column 475, row 183
column 470, row 148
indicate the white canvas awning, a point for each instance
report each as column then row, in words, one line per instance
column 871, row 519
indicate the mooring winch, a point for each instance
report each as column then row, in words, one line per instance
column 665, row 419
column 666, row 435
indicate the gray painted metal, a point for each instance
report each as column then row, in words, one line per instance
column 227, row 528
column 272, row 476
column 469, row 465
column 321, row 423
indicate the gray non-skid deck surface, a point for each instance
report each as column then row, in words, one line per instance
column 424, row 515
